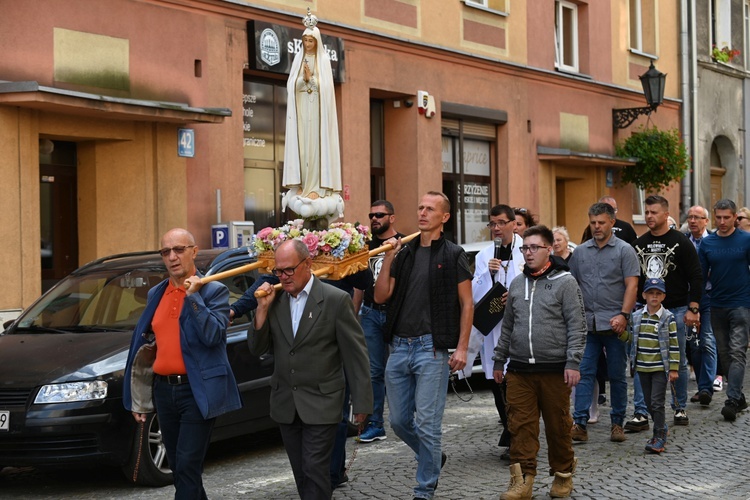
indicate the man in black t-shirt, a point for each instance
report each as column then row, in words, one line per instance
column 372, row 317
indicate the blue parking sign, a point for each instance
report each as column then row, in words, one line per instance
column 220, row 236
column 186, row 142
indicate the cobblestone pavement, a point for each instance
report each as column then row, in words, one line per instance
column 709, row 459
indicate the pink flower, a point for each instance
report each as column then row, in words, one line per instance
column 326, row 248
column 263, row 233
column 311, row 242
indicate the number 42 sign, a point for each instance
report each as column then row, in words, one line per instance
column 186, row 142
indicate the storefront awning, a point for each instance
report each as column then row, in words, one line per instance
column 32, row 95
column 568, row 157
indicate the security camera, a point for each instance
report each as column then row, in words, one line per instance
column 408, row 103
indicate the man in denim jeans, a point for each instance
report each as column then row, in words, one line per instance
column 703, row 349
column 607, row 271
column 372, row 317
column 725, row 257
column 427, row 285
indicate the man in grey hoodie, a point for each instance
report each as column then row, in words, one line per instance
column 544, row 336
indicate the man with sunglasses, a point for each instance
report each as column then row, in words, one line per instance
column 177, row 364
column 316, row 340
column 542, row 340
column 372, row 317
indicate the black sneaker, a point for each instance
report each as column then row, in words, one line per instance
column 639, row 423
column 681, row 418
column 704, row 397
column 602, row 399
column 742, row 405
column 730, row 410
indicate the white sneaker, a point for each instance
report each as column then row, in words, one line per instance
column 718, row 383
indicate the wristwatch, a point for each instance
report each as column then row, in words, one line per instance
column 694, row 310
column 625, row 315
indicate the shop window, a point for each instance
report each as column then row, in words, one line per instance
column 643, row 26
column 467, row 180
column 566, row 36
column 377, row 150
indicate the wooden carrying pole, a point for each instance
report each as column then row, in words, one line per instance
column 329, row 269
column 233, row 272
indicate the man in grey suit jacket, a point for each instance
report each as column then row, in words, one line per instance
column 315, row 338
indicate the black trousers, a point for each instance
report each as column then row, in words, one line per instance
column 309, row 448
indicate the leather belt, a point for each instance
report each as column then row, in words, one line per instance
column 174, row 379
column 377, row 307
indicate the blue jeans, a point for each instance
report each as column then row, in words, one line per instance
column 618, row 385
column 679, row 388
column 373, row 324
column 704, row 357
column 730, row 328
column 186, row 436
column 416, row 380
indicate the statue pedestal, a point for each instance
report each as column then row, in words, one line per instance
column 339, row 268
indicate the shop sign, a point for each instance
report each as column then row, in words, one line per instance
column 272, row 48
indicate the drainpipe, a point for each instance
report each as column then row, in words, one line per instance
column 687, row 67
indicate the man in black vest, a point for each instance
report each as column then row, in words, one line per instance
column 427, row 284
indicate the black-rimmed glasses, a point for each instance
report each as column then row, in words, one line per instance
column 532, row 248
column 179, row 250
column 500, row 223
column 287, row 271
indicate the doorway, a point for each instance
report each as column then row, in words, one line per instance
column 58, row 210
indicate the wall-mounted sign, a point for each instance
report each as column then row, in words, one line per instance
column 272, row 48
column 186, row 142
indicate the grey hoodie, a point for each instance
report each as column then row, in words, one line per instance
column 544, row 327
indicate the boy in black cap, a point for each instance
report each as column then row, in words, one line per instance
column 656, row 355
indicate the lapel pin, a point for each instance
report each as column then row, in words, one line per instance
column 310, row 316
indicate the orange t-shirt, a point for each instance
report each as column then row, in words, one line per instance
column 166, row 326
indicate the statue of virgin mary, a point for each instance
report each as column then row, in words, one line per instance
column 312, row 163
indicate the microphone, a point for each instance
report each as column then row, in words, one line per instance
column 498, row 246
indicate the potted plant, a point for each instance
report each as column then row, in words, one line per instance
column 724, row 54
column 661, row 154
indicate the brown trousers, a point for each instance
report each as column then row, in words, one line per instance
column 529, row 395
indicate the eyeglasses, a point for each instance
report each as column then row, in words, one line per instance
column 179, row 250
column 377, row 215
column 520, row 210
column 696, row 217
column 531, row 248
column 739, row 217
column 287, row 271
column 500, row 223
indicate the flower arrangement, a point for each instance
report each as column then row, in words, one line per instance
column 724, row 54
column 662, row 158
column 340, row 240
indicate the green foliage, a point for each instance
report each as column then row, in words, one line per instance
column 662, row 158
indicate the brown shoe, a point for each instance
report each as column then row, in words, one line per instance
column 617, row 434
column 579, row 433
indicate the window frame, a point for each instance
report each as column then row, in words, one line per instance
column 485, row 6
column 560, row 5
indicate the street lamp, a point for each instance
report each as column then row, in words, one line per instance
column 653, row 90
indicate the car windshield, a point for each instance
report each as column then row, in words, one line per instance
column 108, row 299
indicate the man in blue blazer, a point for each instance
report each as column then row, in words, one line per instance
column 315, row 338
column 177, row 364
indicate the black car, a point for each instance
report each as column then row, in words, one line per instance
column 62, row 364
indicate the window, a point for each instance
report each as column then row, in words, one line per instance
column 497, row 6
column 566, row 36
column 721, row 23
column 638, row 197
column 643, row 26
column 747, row 33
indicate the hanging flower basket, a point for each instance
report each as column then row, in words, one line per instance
column 662, row 158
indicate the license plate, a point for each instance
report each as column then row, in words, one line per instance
column 4, row 420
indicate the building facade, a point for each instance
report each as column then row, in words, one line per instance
column 121, row 119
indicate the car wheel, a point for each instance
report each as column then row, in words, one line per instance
column 148, row 464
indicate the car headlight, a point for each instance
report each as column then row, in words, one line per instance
column 72, row 391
